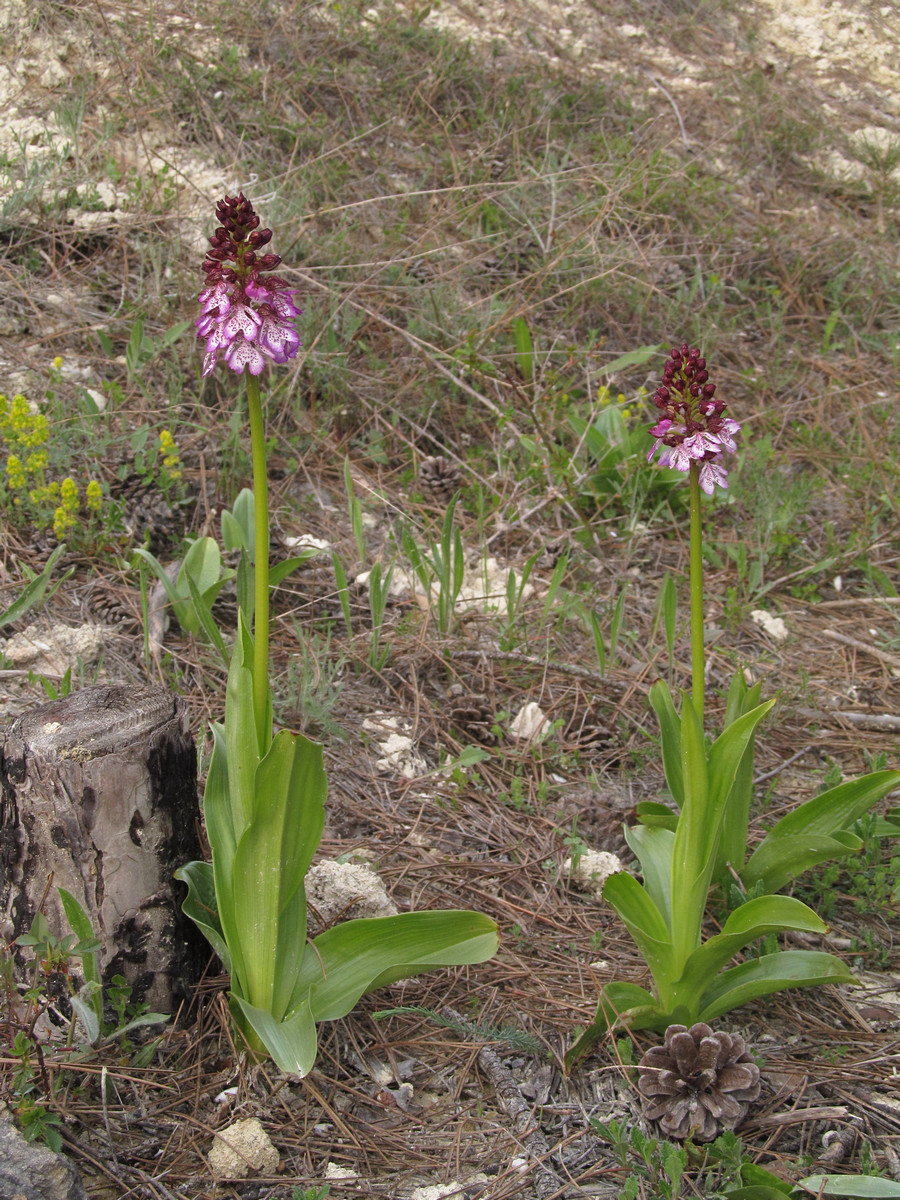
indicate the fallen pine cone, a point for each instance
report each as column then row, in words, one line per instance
column 698, row 1082
column 440, row 478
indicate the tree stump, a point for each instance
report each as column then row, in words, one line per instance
column 98, row 793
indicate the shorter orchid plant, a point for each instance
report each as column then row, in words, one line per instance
column 684, row 854
column 264, row 802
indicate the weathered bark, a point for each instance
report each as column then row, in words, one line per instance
column 99, row 791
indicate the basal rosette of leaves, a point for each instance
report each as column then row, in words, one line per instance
column 264, row 801
column 684, row 854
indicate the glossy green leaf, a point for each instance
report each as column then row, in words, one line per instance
column 616, row 999
column 645, row 923
column 292, row 1043
column 651, row 812
column 278, row 572
column 755, row 919
column 777, row 860
column 355, row 957
column 707, row 788
column 653, row 847
column 670, row 730
column 270, row 863
column 840, row 806
column 867, row 1187
column 241, row 738
column 768, row 974
column 696, row 839
column 757, row 1191
column 200, row 905
column 733, row 843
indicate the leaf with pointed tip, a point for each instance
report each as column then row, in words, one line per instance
column 768, row 974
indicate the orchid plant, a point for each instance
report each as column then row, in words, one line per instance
column 682, row 855
column 264, row 802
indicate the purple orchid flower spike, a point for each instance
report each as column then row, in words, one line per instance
column 248, row 314
column 692, row 427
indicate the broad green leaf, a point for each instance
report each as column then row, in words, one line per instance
column 200, row 906
column 291, row 1043
column 34, row 591
column 670, row 729
column 753, row 1175
column 233, row 535
column 241, row 731
column 202, row 611
column 653, row 846
column 200, row 573
column 353, row 958
column 646, row 924
column 270, row 863
column 280, row 571
column 869, row 1187
column 650, row 812
column 160, row 572
column 706, row 789
column 733, row 842
column 837, row 808
column 755, row 919
column 696, row 840
column 632, row 358
column 616, row 999
column 757, row 1191
column 203, row 562
column 771, row 973
column 779, row 859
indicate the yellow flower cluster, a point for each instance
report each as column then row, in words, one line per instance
column 21, row 425
column 24, row 431
column 66, row 514
column 170, row 456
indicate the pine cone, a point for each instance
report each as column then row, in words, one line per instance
column 440, row 478
column 111, row 607
column 698, row 1083
column 147, row 514
column 475, row 718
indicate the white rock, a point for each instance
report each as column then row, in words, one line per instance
column 397, row 753
column 306, row 541
column 447, row 1191
column 774, row 626
column 99, row 398
column 529, row 723
column 333, row 1171
column 347, row 890
column 593, row 868
column 52, row 649
column 241, row 1149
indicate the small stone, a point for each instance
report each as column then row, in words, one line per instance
column 30, row 1171
column 593, row 868
column 773, row 626
column 242, row 1149
column 529, row 724
column 346, row 890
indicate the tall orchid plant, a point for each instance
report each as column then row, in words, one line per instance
column 264, row 802
column 683, row 854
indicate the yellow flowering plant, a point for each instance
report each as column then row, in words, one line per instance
column 34, row 498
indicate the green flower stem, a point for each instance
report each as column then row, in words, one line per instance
column 697, row 650
column 261, row 563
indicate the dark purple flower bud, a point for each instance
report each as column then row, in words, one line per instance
column 247, row 315
column 693, row 433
